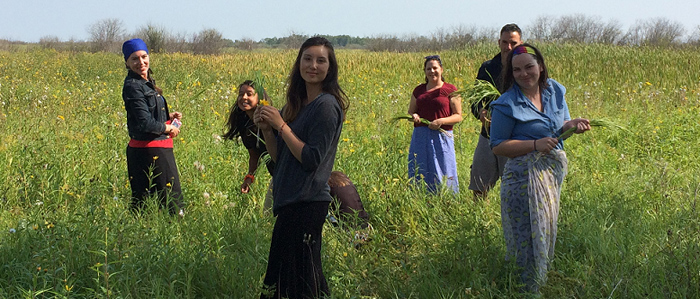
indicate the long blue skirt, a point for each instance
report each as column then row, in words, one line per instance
column 431, row 159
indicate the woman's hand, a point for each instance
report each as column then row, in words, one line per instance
column 245, row 187
column 416, row 118
column 258, row 119
column 581, row 124
column 172, row 131
column 435, row 125
column 546, row 144
column 175, row 115
column 483, row 117
column 271, row 116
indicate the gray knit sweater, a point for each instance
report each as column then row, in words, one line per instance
column 318, row 125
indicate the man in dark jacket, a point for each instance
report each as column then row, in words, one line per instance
column 487, row 168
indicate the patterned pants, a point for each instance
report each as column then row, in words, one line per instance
column 530, row 190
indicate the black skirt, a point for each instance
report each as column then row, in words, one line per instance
column 294, row 266
column 152, row 171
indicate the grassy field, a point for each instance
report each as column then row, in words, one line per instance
column 629, row 225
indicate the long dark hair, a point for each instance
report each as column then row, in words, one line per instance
column 238, row 121
column 507, row 74
column 153, row 81
column 296, row 91
column 338, row 179
column 150, row 77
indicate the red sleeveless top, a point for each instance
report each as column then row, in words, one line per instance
column 434, row 104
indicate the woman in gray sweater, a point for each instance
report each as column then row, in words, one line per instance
column 302, row 140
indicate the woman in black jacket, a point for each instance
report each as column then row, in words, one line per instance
column 149, row 155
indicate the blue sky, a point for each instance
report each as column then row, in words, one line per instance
column 29, row 20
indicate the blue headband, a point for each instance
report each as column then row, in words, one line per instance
column 132, row 46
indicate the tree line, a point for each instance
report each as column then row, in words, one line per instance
column 107, row 35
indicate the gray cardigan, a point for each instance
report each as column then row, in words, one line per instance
column 318, row 125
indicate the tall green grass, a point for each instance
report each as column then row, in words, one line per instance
column 629, row 225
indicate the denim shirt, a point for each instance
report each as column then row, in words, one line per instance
column 513, row 115
column 146, row 110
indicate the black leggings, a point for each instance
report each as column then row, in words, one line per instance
column 152, row 170
column 294, row 266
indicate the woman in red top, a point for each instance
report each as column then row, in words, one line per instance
column 431, row 156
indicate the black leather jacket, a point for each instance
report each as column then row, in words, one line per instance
column 146, row 110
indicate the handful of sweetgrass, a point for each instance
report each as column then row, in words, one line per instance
column 601, row 122
column 423, row 120
column 481, row 92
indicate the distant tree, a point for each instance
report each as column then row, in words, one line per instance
column 207, row 41
column 577, row 28
column 155, row 36
column 462, row 36
column 541, row 28
column 227, row 43
column 50, row 42
column 663, row 32
column 177, row 43
column 10, row 45
column 560, row 29
column 294, row 40
column 415, row 43
column 247, row 44
column 456, row 37
column 694, row 38
column 273, row 42
column 611, row 33
column 438, row 39
column 484, row 34
column 409, row 43
column 340, row 40
column 106, row 35
column 655, row 32
column 634, row 35
column 383, row 43
column 346, row 41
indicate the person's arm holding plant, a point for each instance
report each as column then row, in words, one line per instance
column 412, row 109
column 456, row 117
column 253, row 158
